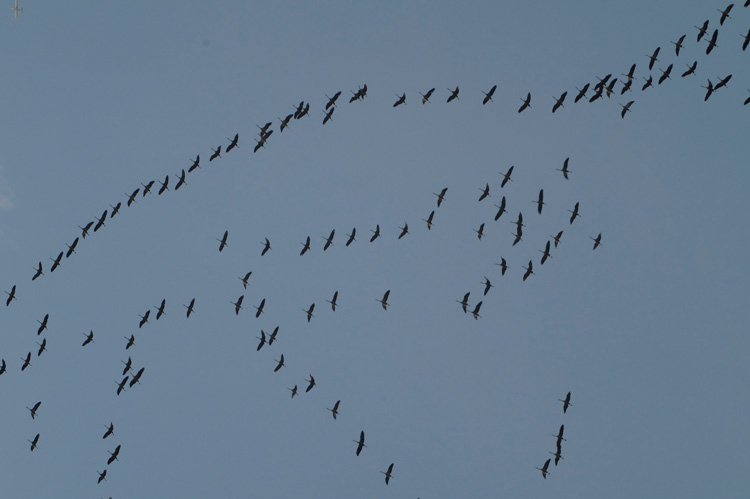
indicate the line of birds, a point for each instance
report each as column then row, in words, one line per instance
column 558, row 444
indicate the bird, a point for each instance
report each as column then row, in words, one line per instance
column 160, row 309
column 487, row 285
column 559, row 435
column 332, row 100
column 747, row 40
column 329, row 115
column 34, row 442
column 34, row 409
column 26, row 361
column 725, row 14
column 488, row 95
column 517, row 235
column 361, row 442
column 564, row 169
column 110, row 430
column 649, row 83
column 121, row 384
column 335, row 410
column 582, row 92
column 298, row 109
column 401, row 100
column 113, row 455
column 244, row 279
column 545, row 253
column 223, row 241
column 309, row 312
column 233, row 142
column 665, row 74
column 690, row 70
column 56, row 262
column 465, row 301
column 602, row 82
column 279, row 365
column 164, row 187
column 89, row 338
column 329, row 240
column 115, row 209
column 454, row 94
column 678, row 45
column 259, row 308
column 702, row 30
column 500, row 209
column 384, row 302
column 404, row 230
column 42, row 347
column 216, row 154
column 332, row 301
column 503, row 265
column 712, row 42
column 626, row 108
column 388, row 474
column 144, row 318
column 42, row 324
column 653, row 58
column 131, row 341
column 238, row 305
column 529, row 270
column 429, row 220
column 304, row 112
column 709, row 90
column 266, row 247
column 611, row 88
column 519, row 222
column 626, row 87
column 262, row 142
column 557, row 454
column 559, row 102
column 506, row 176
column 557, row 238
column 262, row 339
column 3, row 367
column 375, row 233
column 722, row 82
column 526, row 103
column 426, row 97
column 597, row 240
column 540, row 201
column 272, row 336
column 543, row 469
column 196, row 164
column 71, row 248
column 102, row 476
column 479, row 232
column 131, row 197
column 630, row 74
column 137, row 377
column 598, row 94
column 293, row 390
column 351, row 236
column 284, row 122
column 180, row 180
column 574, row 213
column 311, row 383
column 566, row 403
column 475, row 312
column 85, row 229
column 128, row 365
column 147, row 187
column 485, row 192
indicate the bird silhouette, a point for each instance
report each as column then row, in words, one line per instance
column 488, row 95
column 361, row 442
column 526, row 103
column 259, row 308
column 384, row 302
column 566, row 403
column 559, row 102
column 309, row 312
column 332, row 301
column 223, row 241
column 310, row 383
column 388, row 474
column 454, row 94
column 89, row 338
column 426, row 97
column 335, row 410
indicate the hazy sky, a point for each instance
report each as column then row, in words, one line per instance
column 648, row 332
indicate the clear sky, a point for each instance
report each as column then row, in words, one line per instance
column 648, row 332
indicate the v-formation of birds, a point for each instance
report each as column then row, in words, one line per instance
column 604, row 85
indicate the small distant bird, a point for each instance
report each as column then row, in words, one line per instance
column 131, row 197
column 279, row 365
column 309, row 312
column 375, row 233
column 487, row 285
column 180, row 180
column 558, row 455
column 244, row 279
column 196, row 164
column 128, row 365
column 526, row 103
column 89, row 338
column 85, row 229
column 722, row 82
column 71, row 248
column 529, row 270
column 360, row 443
column 259, row 308
column 305, row 246
column 351, row 236
column 34, row 409
column 543, row 469
column 332, row 100
column 121, row 385
column 479, row 232
column 401, row 100
column 115, row 209
column 564, row 169
column 110, row 430
column 144, row 318
column 38, row 272
column 540, row 201
column 665, row 74
column 678, row 45
column 329, row 115
column 559, row 435
column 597, row 240
column 747, row 40
column 626, row 87
column 545, row 253
column 34, row 442
column 56, row 262
column 42, row 324
column 147, row 187
column 223, row 241
column 137, row 377
column 404, row 230
column 293, row 390
column 384, row 302
column 426, row 97
column 712, row 42
column 238, row 305
column 702, row 30
column 725, row 14
column 454, row 94
column 465, row 302
column 475, row 312
column 311, row 383
column 630, row 74
column 559, row 102
column 272, row 336
column 3, row 367
column 653, row 58
column 216, row 154
column 503, row 265
column 131, row 341
column 488, row 95
column 574, row 213
column 160, row 309
column 164, row 186
column 626, row 108
column 26, row 361
column 113, row 455
column 332, row 301
column 690, row 69
column 506, row 176
column 429, row 220
column 582, row 92
column 566, row 403
column 557, row 238
column 102, row 476
column 649, row 83
column 285, row 122
column 388, row 474
column 500, row 209
column 709, row 90
column 233, row 142
column 335, row 410
column 42, row 347
column 329, row 240
column 266, row 247
column 262, row 339
column 485, row 192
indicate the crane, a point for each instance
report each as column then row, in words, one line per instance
column 351, row 236
column 557, row 238
column 121, row 384
column 488, row 95
column 426, row 97
column 665, row 74
column 503, row 265
column 388, row 474
column 506, row 176
column 332, row 100
column 56, row 262
column 725, row 14
column 500, row 209
column 597, row 240
column 102, row 476
column 361, row 442
column 131, row 341
column 690, row 69
column 649, row 83
column 137, row 377
column 475, row 312
column 545, row 253
column 401, row 100
column 71, row 248
column 272, row 336
column 329, row 115
column 465, row 301
column 712, row 42
column 26, row 361
column 262, row 339
column 42, row 324
column 335, row 410
column 279, row 365
column 375, row 233
column 529, row 270
column 233, row 142
column 309, row 312
column 144, row 318
column 479, row 232
column 487, row 285
column 113, row 455
column 678, row 45
column 259, row 308
column 454, row 94
column 293, row 390
column 42, row 347
column 582, row 92
column 128, row 365
column 181, row 180
column 266, row 247
column 223, row 241
column 164, row 187
column 626, row 108
column 526, row 103
column 237, row 304
column 216, row 154
column 653, row 58
column 384, row 302
column 34, row 409
column 244, row 279
column 485, row 192
column 147, row 187
column 110, row 430
column 196, row 164
column 540, row 201
column 332, row 301
column 429, row 220
column 89, row 338
column 564, row 169
column 566, row 403
column 404, row 230
column 574, row 213
column 305, row 246
column 328, row 240
column 311, row 383
column 34, row 443
column 160, row 309
column 543, row 469
column 115, row 209
column 702, row 30
column 559, row 102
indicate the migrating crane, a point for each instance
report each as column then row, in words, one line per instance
column 223, row 241
column 196, row 164
column 34, row 443
column 89, row 338
column 160, row 309
column 441, row 196
column 566, row 403
column 244, row 279
column 279, row 365
column 702, row 30
column 42, row 324
column 479, row 232
column 266, row 247
column 237, row 304
column 128, row 365
column 131, row 341
column 529, row 270
column 488, row 95
column 429, row 220
column 329, row 115
column 426, row 97
column 164, row 187
column 102, row 476
column 115, row 209
column 626, row 108
column 506, row 176
column 121, row 384
column 564, row 169
column 110, row 430
column 375, row 233
column 34, row 409
column 132, row 197
column 113, row 455
column 678, row 45
column 233, row 142
column 42, row 347
column 485, row 192
column 690, row 69
column 144, row 318
column 311, row 383
column 309, row 312
column 543, row 469
column 259, row 308
column 137, row 377
column 305, row 246
column 559, row 102
column 329, row 240
column 503, row 265
column 665, row 74
column 401, row 100
column 272, row 336
column 26, row 361
column 335, row 410
column 653, row 58
column 388, row 474
column 71, row 248
column 597, row 240
column 487, row 285
column 17, row 11
column 526, row 103
column 475, row 312
column 180, row 180
column 293, row 390
column 216, row 154
column 332, row 100
column 454, row 94
column 574, row 213
column 582, row 92
column 500, row 209
column 712, row 42
column 545, row 253
column 360, row 443
column 262, row 339
column 725, row 14
column 351, row 236
column 384, row 302
column 465, row 302
column 56, row 262
column 540, row 201
column 404, row 230
column 557, row 238
column 332, row 301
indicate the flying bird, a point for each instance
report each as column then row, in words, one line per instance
column 503, row 265
column 121, row 384
column 690, row 69
column 597, row 240
column 351, row 236
column 360, row 443
column 702, row 30
column 712, row 42
column 233, row 142
column 388, row 474
column 543, row 469
column 574, row 213
column 649, row 83
column 34, row 442
column 540, row 201
column 665, row 74
column 653, row 58
column 329, row 240
column 259, row 308
column 722, row 82
column 262, row 339
column 709, row 90
column 626, row 108
column 429, row 220
column 582, row 92
column 42, row 324
column 329, row 115
column 128, row 365
column 401, row 100
column 426, row 97
column 487, row 285
column 89, row 338
column 102, row 476
column 137, row 377
column 244, row 279
column 526, row 103
column 475, row 312
column 465, row 301
column 559, row 102
column 266, row 247
column 485, row 192
column 164, row 187
column 557, row 238
column 566, row 403
column 332, row 100
column 545, row 253
column 160, row 309
column 131, row 341
column 56, row 262
column 558, row 455
column 196, row 164
column 223, row 241
column 441, row 196
column 34, row 409
column 678, row 45
column 309, row 312
column 564, row 169
column 454, row 94
column 500, row 209
column 506, row 176
column 71, row 248
column 180, row 180
column 529, row 270
column 488, row 95
column 375, row 233
column 216, row 154
column 264, row 132
column 404, row 230
column 335, row 410
column 42, row 347
column 238, row 305
column 479, row 232
column 311, row 383
column 285, row 122
column 113, row 455
column 144, row 318
column 3, row 367
column 630, row 74
column 131, row 197
column 115, row 209
column 147, row 187
column 725, row 14
column 626, row 87
column 26, row 361
column 110, row 430
column 85, row 229
column 305, row 246
column 279, row 365
column 293, row 390
column 559, row 435
column 384, row 302
column 332, row 301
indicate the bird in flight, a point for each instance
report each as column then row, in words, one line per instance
column 557, row 238
column 564, row 169
column 485, row 192
column 244, row 279
column 160, row 309
column 475, row 312
column 426, row 97
column 238, row 305
column 566, row 403
column 361, row 442
column 500, row 209
column 375, row 233
column 293, row 390
column 309, row 312
column 574, row 213
column 543, row 469
column 332, row 301
column 223, row 241
column 144, row 318
column 37, row 272
column 279, row 365
column 384, row 302
column 429, row 220
column 401, row 100
column 441, row 196
column 34, row 409
column 266, row 247
column 113, row 455
column 479, row 232
column 653, row 58
column 506, row 176
column 335, row 410
column 526, row 103
column 259, row 308
column 702, row 30
column 454, row 94
column 529, row 270
column 164, row 187
column 559, row 102
column 329, row 240
column 488, row 95
column 216, row 154
column 540, row 201
column 503, row 265
column 89, row 338
column 690, row 69
column 388, row 474
column 545, row 253
column 582, row 92
column 305, row 246
column 34, row 442
column 678, row 45
column 233, row 142
column 464, row 302
column 42, row 324
column 351, row 236
column 725, row 13
column 196, row 164
column 597, row 240
column 311, row 383
column 625, row 109
column 110, row 430
column 131, row 341
column 404, row 230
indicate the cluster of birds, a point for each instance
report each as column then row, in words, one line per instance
column 558, row 443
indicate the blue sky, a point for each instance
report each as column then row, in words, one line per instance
column 646, row 332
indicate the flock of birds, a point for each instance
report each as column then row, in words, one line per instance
column 131, row 377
